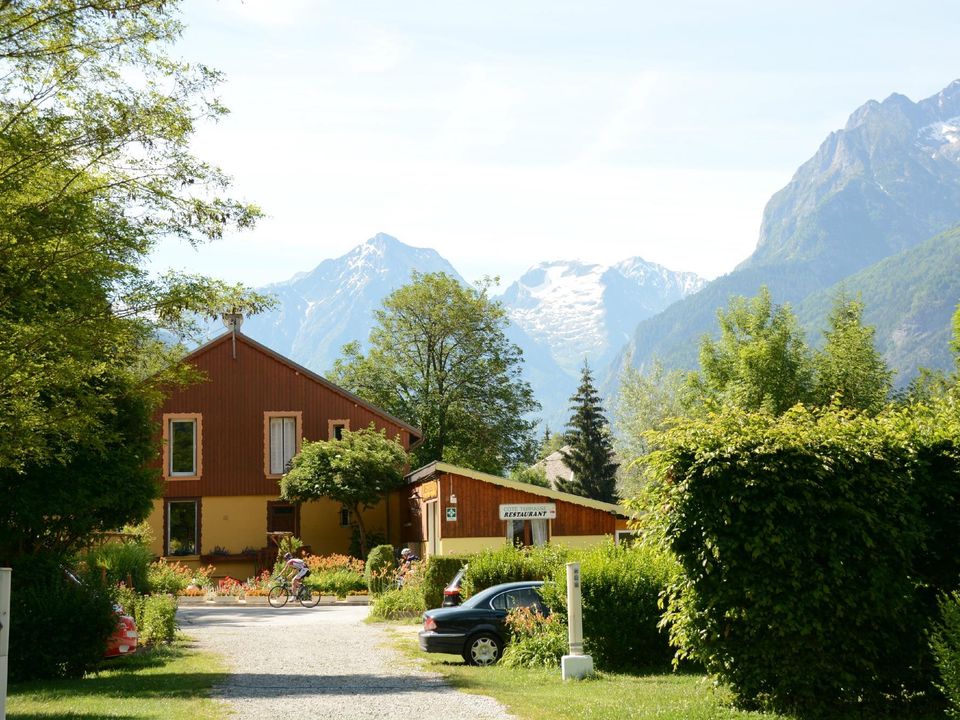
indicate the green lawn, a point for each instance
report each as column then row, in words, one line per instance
column 542, row 695
column 172, row 683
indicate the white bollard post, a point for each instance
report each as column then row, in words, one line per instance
column 576, row 665
column 5, row 574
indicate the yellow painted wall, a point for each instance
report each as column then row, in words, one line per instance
column 320, row 526
column 155, row 520
column 233, row 522
column 239, row 522
column 580, row 541
column 463, row 546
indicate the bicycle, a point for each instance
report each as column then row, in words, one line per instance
column 282, row 591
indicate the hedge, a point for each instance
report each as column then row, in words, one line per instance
column 945, row 643
column 813, row 547
column 511, row 564
column 155, row 615
column 620, row 592
column 61, row 626
column 438, row 571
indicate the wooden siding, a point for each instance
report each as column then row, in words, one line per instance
column 478, row 505
column 232, row 403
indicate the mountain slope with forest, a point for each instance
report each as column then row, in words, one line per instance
column 885, row 183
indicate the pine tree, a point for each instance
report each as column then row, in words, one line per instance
column 590, row 456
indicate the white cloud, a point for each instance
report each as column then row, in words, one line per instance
column 632, row 115
column 481, row 113
column 273, row 12
column 376, row 51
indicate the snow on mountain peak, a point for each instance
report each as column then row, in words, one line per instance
column 586, row 310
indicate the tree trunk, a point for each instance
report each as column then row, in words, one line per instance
column 363, row 532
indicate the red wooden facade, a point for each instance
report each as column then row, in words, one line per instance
column 478, row 497
column 233, row 404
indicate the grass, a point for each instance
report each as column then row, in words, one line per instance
column 171, row 682
column 542, row 695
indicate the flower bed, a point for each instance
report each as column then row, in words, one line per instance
column 339, row 575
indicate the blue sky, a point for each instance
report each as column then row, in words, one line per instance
column 506, row 133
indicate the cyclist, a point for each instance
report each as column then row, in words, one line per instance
column 407, row 559
column 300, row 568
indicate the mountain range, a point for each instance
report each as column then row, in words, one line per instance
column 869, row 214
column 887, row 182
column 561, row 313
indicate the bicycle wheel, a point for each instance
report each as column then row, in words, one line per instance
column 308, row 597
column 278, row 596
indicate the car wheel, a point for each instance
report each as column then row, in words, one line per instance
column 483, row 649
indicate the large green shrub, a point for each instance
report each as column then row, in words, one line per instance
column 438, row 571
column 806, row 548
column 155, row 615
column 379, row 570
column 511, row 564
column 620, row 593
column 59, row 628
column 120, row 562
column 945, row 642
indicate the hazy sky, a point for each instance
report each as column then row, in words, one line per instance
column 507, row 133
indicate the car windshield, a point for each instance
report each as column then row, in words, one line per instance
column 483, row 597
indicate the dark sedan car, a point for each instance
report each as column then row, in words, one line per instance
column 476, row 629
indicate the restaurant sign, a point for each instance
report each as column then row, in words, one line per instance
column 528, row 511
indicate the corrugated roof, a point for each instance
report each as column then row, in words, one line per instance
column 436, row 468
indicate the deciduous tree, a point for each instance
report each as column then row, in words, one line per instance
column 849, row 370
column 358, row 471
column 760, row 361
column 438, row 358
column 96, row 119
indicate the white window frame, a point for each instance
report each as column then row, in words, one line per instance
column 269, row 469
column 167, row 455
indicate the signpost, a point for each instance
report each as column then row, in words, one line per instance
column 576, row 665
column 4, row 636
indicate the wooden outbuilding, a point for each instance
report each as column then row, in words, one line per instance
column 450, row 510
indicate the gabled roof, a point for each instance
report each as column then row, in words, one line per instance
column 416, row 436
column 438, row 468
column 554, row 467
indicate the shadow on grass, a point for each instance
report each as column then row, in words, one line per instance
column 239, row 685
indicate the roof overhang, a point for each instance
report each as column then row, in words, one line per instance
column 435, row 469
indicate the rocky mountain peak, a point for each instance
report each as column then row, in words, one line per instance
column 586, row 310
column 888, row 180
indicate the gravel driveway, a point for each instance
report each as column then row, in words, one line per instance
column 318, row 663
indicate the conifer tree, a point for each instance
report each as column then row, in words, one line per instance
column 590, row 456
